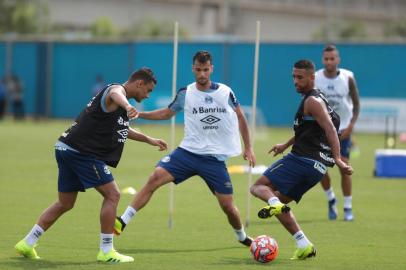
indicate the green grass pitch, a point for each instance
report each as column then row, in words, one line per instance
column 201, row 237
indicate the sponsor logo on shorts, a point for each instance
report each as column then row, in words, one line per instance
column 320, row 167
column 228, row 184
column 106, row 170
column 166, row 159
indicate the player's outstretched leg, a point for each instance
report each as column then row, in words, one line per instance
column 227, row 205
column 159, row 177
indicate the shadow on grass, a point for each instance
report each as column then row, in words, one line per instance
column 23, row 263
column 169, row 251
column 274, row 221
column 249, row 261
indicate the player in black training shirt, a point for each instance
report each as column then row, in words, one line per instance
column 315, row 146
column 95, row 140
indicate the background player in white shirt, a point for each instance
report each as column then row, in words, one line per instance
column 339, row 87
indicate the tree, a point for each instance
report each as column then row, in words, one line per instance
column 396, row 28
column 23, row 16
column 353, row 30
column 103, row 27
column 153, row 29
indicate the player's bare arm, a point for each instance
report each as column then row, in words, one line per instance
column 248, row 150
column 160, row 114
column 281, row 147
column 315, row 107
column 353, row 92
column 117, row 98
column 141, row 137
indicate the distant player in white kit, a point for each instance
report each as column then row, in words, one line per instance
column 339, row 87
column 213, row 123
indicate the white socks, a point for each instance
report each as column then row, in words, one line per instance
column 106, row 242
column 128, row 214
column 301, row 239
column 347, row 201
column 240, row 234
column 273, row 200
column 330, row 194
column 33, row 236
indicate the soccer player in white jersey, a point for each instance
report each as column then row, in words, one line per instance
column 339, row 87
column 213, row 119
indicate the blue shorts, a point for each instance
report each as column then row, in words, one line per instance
column 182, row 164
column 294, row 175
column 78, row 172
column 345, row 147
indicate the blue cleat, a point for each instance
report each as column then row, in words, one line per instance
column 332, row 209
column 348, row 216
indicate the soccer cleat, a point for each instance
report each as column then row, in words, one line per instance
column 113, row 257
column 348, row 216
column 26, row 250
column 119, row 226
column 247, row 241
column 269, row 211
column 332, row 209
column 304, row 253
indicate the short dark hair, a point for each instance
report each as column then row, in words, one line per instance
column 305, row 64
column 202, row 57
column 145, row 74
column 330, row 48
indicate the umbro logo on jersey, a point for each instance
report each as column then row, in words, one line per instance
column 123, row 132
column 210, row 119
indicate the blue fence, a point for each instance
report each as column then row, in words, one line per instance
column 70, row 70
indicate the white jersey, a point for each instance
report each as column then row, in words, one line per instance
column 337, row 90
column 211, row 124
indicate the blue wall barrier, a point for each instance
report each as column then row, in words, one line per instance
column 74, row 67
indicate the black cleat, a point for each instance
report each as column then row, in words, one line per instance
column 247, row 241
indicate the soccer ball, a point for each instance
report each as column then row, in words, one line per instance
column 264, row 249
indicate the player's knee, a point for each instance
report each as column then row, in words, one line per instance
column 66, row 206
column 254, row 189
column 114, row 196
column 155, row 181
column 228, row 207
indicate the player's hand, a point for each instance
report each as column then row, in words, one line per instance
column 132, row 112
column 346, row 132
column 344, row 167
column 278, row 149
column 160, row 143
column 250, row 156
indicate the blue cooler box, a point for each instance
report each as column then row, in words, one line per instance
column 390, row 163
